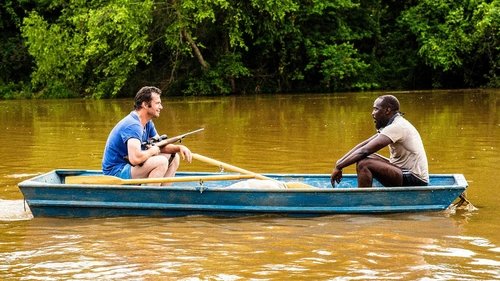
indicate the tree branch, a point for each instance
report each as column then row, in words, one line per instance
column 195, row 48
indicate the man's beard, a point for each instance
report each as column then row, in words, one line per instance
column 379, row 124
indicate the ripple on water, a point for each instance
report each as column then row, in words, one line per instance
column 20, row 176
column 14, row 210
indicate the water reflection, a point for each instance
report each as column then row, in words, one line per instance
column 356, row 247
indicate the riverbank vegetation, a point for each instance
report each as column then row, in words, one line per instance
column 103, row 49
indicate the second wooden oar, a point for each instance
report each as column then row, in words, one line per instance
column 227, row 166
column 103, row 179
column 232, row 168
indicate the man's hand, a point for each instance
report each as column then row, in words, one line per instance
column 336, row 176
column 185, row 153
column 153, row 149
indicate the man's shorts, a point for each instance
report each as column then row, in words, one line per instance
column 409, row 179
column 126, row 172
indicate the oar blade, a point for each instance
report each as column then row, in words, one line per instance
column 296, row 184
column 93, row 180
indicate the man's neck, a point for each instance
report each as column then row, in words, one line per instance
column 143, row 117
column 392, row 118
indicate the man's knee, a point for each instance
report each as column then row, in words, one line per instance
column 161, row 163
column 363, row 164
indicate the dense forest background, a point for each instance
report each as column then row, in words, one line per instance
column 103, row 49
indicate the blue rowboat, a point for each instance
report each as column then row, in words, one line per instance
column 48, row 195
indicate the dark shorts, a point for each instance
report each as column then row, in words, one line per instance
column 409, row 179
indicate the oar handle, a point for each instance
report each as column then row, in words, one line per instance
column 103, row 179
column 227, row 166
column 232, row 168
column 188, row 179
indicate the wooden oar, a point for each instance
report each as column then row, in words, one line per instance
column 228, row 167
column 103, row 179
column 232, row 168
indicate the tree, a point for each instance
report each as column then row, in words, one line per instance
column 101, row 48
column 223, row 30
column 457, row 37
column 90, row 49
column 15, row 62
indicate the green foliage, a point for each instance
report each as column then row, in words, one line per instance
column 99, row 49
column 487, row 33
column 336, row 62
column 91, row 49
column 457, row 36
column 15, row 63
column 227, row 26
column 13, row 90
column 55, row 52
column 217, row 79
column 14, row 59
column 330, row 32
column 442, row 28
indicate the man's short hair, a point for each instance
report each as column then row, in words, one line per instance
column 145, row 95
column 390, row 101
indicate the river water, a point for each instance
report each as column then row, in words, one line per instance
column 303, row 133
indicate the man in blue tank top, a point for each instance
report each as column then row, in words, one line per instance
column 124, row 155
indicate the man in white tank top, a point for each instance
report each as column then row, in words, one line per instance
column 407, row 165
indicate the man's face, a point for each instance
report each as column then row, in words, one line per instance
column 379, row 114
column 155, row 106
